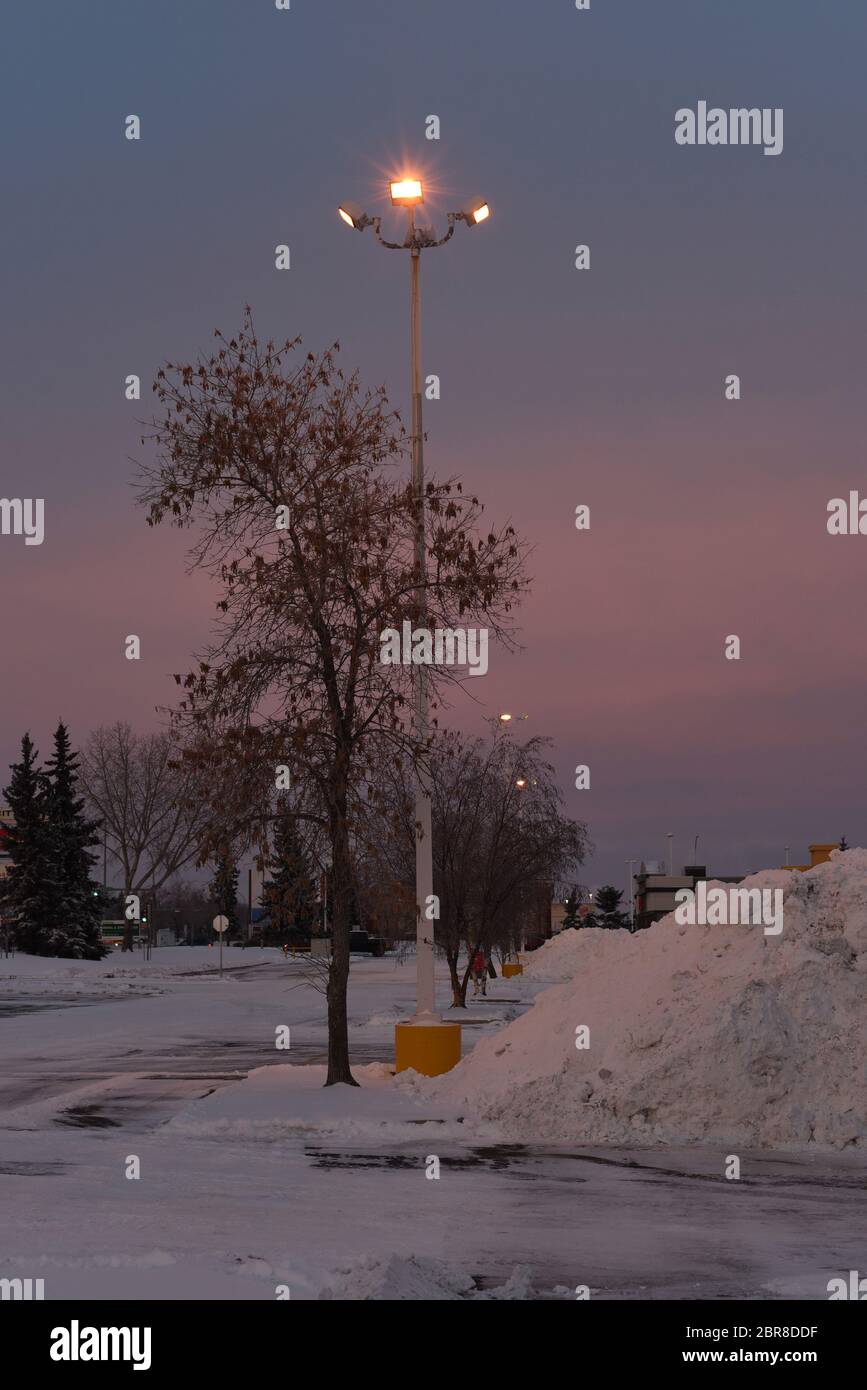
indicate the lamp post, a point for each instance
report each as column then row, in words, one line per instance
column 408, row 193
column 630, row 891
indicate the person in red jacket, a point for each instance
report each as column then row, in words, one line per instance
column 479, row 970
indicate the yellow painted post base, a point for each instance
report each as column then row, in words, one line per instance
column 511, row 968
column 428, row 1048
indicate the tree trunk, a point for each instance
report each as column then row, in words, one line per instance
column 458, row 994
column 338, row 974
column 466, row 980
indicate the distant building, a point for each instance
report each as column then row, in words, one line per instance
column 655, row 890
column 819, row 854
column 558, row 912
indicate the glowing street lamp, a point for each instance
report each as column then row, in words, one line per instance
column 405, row 193
column 475, row 212
column 436, row 1052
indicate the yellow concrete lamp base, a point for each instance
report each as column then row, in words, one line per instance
column 428, row 1048
column 511, row 968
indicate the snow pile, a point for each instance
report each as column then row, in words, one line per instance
column 556, row 961
column 717, row 1034
column 417, row 1278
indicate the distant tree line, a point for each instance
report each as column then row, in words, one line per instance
column 136, row 797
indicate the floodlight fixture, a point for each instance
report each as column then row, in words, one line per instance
column 405, row 193
column 355, row 217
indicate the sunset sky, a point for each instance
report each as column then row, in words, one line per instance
column 559, row 387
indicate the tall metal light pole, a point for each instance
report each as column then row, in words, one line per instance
column 436, row 1053
column 425, row 988
column 630, row 891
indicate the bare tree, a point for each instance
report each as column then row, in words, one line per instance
column 500, row 841
column 283, row 467
column 152, row 810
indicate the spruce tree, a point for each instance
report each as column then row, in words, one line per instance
column 607, row 909
column 570, row 917
column 290, row 896
column 224, row 890
column 74, row 928
column 23, row 897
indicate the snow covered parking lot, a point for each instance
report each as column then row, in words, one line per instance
column 254, row 1177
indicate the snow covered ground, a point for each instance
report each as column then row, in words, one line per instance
column 255, row 1179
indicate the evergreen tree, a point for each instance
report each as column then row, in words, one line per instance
column 70, row 893
column 607, row 909
column 290, row 897
column 224, row 889
column 23, row 897
column 570, row 917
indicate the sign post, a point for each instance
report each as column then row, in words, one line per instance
column 220, row 924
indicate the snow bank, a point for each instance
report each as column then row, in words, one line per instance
column 717, row 1034
column 416, row 1278
column 119, row 971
